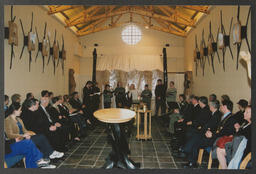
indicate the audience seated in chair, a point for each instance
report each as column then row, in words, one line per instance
column 16, row 149
column 239, row 115
column 15, row 128
column 53, row 130
column 236, row 150
column 64, row 120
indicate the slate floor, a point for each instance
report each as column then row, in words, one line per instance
column 93, row 149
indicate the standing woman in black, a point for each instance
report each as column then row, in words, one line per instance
column 87, row 99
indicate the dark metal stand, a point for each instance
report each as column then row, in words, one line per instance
column 118, row 157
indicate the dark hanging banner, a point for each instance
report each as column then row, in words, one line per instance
column 165, row 69
column 94, row 65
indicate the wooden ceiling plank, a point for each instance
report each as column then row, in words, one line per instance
column 117, row 19
column 202, row 9
column 92, row 18
column 57, row 9
column 179, row 14
column 168, row 31
column 92, row 25
column 82, row 14
column 139, row 11
column 170, row 25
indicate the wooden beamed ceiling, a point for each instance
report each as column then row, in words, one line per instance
column 90, row 19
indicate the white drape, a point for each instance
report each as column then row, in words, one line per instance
column 130, row 62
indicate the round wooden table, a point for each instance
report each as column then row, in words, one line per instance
column 118, row 157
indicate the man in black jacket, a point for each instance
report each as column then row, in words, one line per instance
column 47, row 125
column 160, row 97
column 224, row 128
column 200, row 117
column 214, row 120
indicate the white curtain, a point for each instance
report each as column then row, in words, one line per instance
column 130, row 62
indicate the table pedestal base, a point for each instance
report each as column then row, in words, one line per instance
column 118, row 158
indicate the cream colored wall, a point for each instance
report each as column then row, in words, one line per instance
column 19, row 79
column 233, row 82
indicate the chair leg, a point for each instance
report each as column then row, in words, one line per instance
column 200, row 156
column 245, row 161
column 5, row 165
column 210, row 161
column 24, row 161
column 219, row 166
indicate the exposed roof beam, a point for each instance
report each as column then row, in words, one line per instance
column 170, row 25
column 60, row 8
column 168, row 31
column 91, row 25
column 178, row 14
column 101, row 29
column 93, row 18
column 80, row 15
column 202, row 9
column 140, row 11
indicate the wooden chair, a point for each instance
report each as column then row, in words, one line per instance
column 23, row 159
column 246, row 161
column 200, row 158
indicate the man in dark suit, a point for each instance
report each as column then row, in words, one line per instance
column 48, row 125
column 214, row 119
column 160, row 97
column 201, row 115
column 182, row 125
column 224, row 128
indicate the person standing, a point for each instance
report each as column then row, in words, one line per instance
column 171, row 94
column 120, row 95
column 107, row 94
column 96, row 97
column 132, row 95
column 160, row 97
column 146, row 96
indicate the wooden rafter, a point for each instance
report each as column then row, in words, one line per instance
column 202, row 9
column 91, row 25
column 170, row 27
column 80, row 15
column 168, row 31
column 178, row 14
column 117, row 19
column 140, row 11
column 56, row 9
column 93, row 18
column 94, row 30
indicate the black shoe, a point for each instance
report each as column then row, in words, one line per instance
column 190, row 165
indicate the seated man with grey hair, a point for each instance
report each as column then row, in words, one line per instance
column 45, row 124
column 212, row 124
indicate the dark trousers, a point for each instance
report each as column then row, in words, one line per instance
column 80, row 121
column 107, row 105
column 28, row 149
column 202, row 142
column 70, row 127
column 43, row 144
column 57, row 139
column 171, row 106
column 160, row 103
